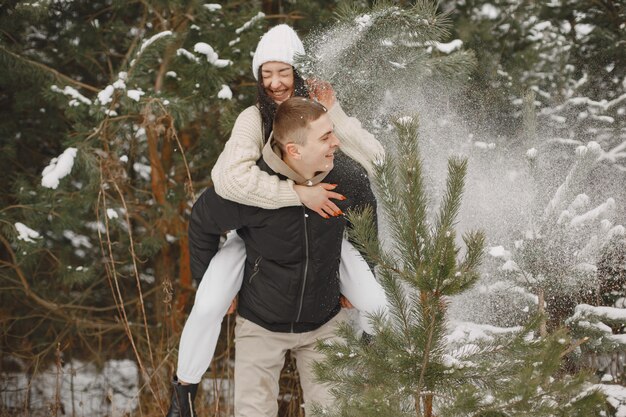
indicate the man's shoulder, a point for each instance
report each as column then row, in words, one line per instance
column 206, row 196
column 352, row 181
column 210, row 197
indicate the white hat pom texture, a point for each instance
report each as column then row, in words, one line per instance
column 281, row 43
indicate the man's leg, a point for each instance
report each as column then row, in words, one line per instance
column 306, row 354
column 220, row 284
column 259, row 358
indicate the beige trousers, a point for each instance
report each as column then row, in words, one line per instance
column 259, row 358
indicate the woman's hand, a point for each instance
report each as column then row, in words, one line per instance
column 322, row 92
column 233, row 306
column 317, row 198
column 344, row 302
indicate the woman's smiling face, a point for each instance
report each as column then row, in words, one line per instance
column 278, row 81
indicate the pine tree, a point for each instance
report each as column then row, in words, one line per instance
column 129, row 105
column 412, row 366
column 113, row 109
column 423, row 260
column 555, row 265
column 569, row 52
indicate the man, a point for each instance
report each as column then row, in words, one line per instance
column 289, row 298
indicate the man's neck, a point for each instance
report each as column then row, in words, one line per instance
column 273, row 157
column 297, row 167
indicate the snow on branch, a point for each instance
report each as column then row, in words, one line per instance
column 225, row 93
column 58, row 168
column 602, row 211
column 612, row 314
column 212, row 7
column 25, row 233
column 72, row 92
column 250, row 22
column 467, row 332
column 211, row 56
column 105, row 96
column 615, row 395
column 135, row 94
column 153, row 39
column 447, row 48
column 616, row 153
column 187, row 54
column 618, row 230
column 587, row 157
column 602, row 105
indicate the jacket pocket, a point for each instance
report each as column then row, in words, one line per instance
column 256, row 269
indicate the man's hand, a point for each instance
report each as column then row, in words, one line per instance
column 344, row 302
column 317, row 198
column 233, row 306
column 322, row 92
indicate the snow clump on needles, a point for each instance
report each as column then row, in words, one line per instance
column 58, row 168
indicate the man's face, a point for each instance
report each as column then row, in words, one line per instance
column 318, row 152
column 277, row 78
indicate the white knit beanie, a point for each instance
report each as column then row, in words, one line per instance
column 281, row 43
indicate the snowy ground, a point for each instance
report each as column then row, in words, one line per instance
column 84, row 391
column 616, row 395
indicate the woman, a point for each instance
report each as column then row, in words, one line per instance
column 236, row 177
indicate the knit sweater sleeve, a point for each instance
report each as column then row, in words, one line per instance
column 236, row 176
column 356, row 142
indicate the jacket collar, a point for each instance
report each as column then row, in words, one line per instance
column 272, row 156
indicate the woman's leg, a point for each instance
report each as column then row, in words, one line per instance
column 220, row 284
column 359, row 285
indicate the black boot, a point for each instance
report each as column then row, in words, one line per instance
column 182, row 400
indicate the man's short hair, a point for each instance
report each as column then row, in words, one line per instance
column 293, row 117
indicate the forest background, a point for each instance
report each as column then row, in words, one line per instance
column 94, row 276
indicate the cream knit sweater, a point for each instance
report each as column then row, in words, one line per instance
column 236, row 176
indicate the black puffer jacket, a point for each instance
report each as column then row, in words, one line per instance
column 291, row 281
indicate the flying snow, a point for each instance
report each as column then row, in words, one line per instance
column 499, row 252
column 531, row 153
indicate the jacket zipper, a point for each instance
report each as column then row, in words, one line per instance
column 255, row 271
column 306, row 266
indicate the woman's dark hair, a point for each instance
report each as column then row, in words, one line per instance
column 267, row 107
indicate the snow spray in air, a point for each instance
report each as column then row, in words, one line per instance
column 394, row 62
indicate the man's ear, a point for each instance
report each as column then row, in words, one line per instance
column 293, row 151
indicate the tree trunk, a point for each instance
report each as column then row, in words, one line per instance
column 428, row 405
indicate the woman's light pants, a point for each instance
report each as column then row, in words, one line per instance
column 221, row 283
